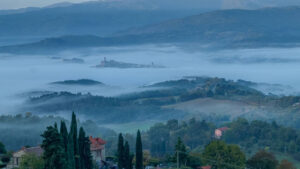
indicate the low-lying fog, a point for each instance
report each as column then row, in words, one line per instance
column 22, row 74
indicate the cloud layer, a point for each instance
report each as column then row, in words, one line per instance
column 217, row 4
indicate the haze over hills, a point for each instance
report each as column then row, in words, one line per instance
column 228, row 28
column 170, row 69
column 95, row 17
column 274, row 25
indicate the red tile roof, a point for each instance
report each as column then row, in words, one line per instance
column 96, row 143
column 223, row 128
column 206, row 167
column 38, row 151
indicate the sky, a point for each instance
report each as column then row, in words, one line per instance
column 15, row 4
column 225, row 4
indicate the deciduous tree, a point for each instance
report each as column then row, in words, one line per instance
column 220, row 155
column 262, row 160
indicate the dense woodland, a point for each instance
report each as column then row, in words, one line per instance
column 161, row 139
column 240, row 145
column 25, row 130
column 151, row 104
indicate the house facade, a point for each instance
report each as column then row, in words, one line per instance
column 219, row 132
column 97, row 149
column 17, row 156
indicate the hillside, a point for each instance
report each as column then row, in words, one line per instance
column 223, row 28
column 263, row 26
column 212, row 99
column 95, row 17
column 83, row 82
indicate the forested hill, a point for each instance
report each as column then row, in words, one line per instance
column 267, row 25
column 224, row 28
column 250, row 136
column 214, row 99
column 95, row 17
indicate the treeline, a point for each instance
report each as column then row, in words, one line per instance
column 62, row 149
column 97, row 107
column 251, row 136
column 25, row 129
column 66, row 150
column 259, row 134
column 220, row 155
column 215, row 155
column 125, row 158
column 141, row 106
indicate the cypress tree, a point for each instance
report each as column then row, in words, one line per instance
column 71, row 156
column 65, row 140
column 127, row 156
column 120, row 154
column 181, row 150
column 88, row 155
column 139, row 151
column 73, row 134
column 55, row 126
column 53, row 146
column 81, row 147
column 86, row 161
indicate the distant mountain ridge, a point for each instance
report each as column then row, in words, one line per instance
column 274, row 25
column 96, row 17
column 29, row 9
column 227, row 28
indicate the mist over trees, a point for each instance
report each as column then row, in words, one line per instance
column 195, row 121
column 60, row 153
column 25, row 130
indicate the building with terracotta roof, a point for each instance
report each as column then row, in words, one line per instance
column 219, row 132
column 206, row 167
column 98, row 149
column 17, row 156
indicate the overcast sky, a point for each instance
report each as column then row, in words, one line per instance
column 14, row 4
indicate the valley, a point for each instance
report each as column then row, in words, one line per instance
column 210, row 84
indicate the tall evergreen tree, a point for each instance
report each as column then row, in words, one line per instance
column 55, row 126
column 127, row 156
column 139, row 151
column 81, row 147
column 87, row 154
column 73, row 134
column 181, row 150
column 2, row 148
column 65, row 140
column 71, row 156
column 86, row 161
column 120, row 154
column 54, row 154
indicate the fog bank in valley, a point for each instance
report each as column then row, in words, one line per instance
column 22, row 73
